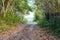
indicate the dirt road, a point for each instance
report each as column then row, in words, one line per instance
column 28, row 32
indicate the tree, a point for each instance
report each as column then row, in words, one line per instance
column 51, row 9
column 14, row 6
column 13, row 11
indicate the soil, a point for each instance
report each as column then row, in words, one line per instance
column 21, row 32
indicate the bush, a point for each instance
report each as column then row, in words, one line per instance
column 55, row 25
column 11, row 18
column 25, row 20
column 43, row 23
column 52, row 24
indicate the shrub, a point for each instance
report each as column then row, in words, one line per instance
column 10, row 18
column 52, row 24
column 55, row 25
column 25, row 20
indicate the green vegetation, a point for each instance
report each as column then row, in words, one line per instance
column 47, row 14
column 12, row 13
column 50, row 21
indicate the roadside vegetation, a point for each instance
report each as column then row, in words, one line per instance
column 12, row 13
column 47, row 15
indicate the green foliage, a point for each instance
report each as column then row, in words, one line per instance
column 24, row 20
column 53, row 24
column 12, row 13
column 43, row 22
column 38, row 15
column 9, row 9
column 50, row 6
column 11, row 18
column 21, row 6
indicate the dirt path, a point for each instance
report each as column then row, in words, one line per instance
column 28, row 33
